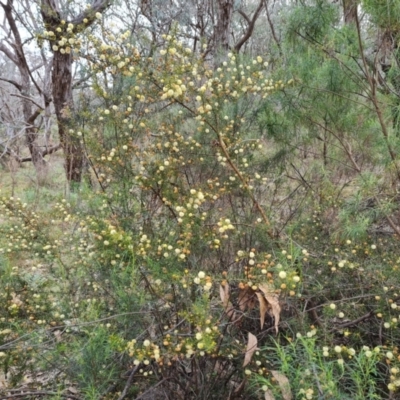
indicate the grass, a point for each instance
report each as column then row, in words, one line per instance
column 22, row 182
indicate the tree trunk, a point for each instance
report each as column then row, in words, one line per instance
column 64, row 108
column 350, row 11
column 62, row 80
column 31, row 135
column 222, row 29
column 17, row 56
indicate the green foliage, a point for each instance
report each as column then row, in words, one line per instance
column 317, row 371
column 228, row 207
column 384, row 13
column 311, row 22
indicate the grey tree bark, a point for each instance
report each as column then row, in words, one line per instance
column 61, row 77
column 14, row 50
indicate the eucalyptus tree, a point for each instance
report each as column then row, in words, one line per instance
column 63, row 24
column 14, row 45
column 49, row 75
column 219, row 25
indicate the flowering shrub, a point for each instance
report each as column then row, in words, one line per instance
column 172, row 273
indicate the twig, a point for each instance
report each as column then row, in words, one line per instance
column 46, row 152
column 356, row 321
column 39, row 393
column 271, row 26
column 245, row 184
column 27, row 98
column 17, row 85
column 250, row 26
column 129, row 382
column 152, row 388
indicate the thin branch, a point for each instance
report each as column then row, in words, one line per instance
column 9, row 152
column 11, row 21
column 46, row 152
column 33, row 117
column 152, row 388
column 250, row 27
column 17, row 85
column 40, row 65
column 19, row 57
column 79, row 81
column 271, row 26
column 8, row 52
column 356, row 321
column 98, row 6
column 244, row 183
column 26, row 98
column 129, row 382
column 244, row 15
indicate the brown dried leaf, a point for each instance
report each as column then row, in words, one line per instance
column 219, row 368
column 169, row 297
column 152, row 331
column 284, row 385
column 268, row 395
column 250, row 349
column 246, row 299
column 230, row 311
column 228, row 306
column 224, row 293
column 3, row 381
column 242, row 299
column 240, row 388
column 273, row 301
column 263, row 307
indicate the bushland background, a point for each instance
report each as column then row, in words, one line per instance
column 199, row 199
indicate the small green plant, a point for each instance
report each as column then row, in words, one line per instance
column 311, row 370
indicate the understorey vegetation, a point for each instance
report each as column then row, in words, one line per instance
column 233, row 228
